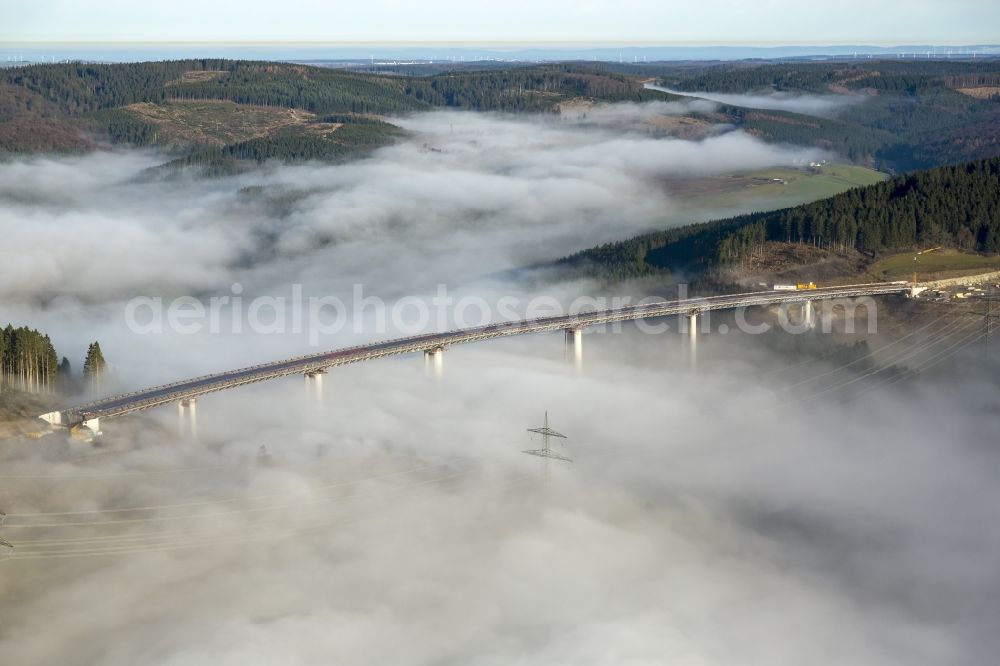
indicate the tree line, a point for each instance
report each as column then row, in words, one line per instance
column 28, row 362
column 884, row 75
column 957, row 206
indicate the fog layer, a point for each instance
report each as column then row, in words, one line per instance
column 402, row 523
column 810, row 105
column 465, row 198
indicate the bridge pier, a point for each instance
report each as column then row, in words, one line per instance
column 434, row 362
column 187, row 417
column 574, row 347
column 809, row 314
column 314, row 385
column 692, row 340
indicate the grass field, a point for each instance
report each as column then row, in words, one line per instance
column 716, row 197
column 933, row 265
column 770, row 189
column 831, row 179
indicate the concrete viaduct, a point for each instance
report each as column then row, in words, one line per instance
column 313, row 366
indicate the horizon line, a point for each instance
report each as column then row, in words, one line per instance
column 495, row 42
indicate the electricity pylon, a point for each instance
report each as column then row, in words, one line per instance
column 988, row 315
column 6, row 547
column 546, row 451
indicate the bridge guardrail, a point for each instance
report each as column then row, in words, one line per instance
column 145, row 398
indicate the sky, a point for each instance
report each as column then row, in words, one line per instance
column 587, row 21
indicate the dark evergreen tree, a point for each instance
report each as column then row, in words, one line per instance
column 65, row 380
column 94, row 366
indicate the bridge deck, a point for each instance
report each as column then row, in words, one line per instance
column 190, row 388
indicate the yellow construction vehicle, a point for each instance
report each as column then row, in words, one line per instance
column 805, row 285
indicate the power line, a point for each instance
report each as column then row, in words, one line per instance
column 927, row 364
column 837, row 350
column 988, row 315
column 879, row 351
column 899, row 357
column 241, row 536
column 244, row 498
column 936, row 338
column 209, row 535
column 197, row 515
column 903, row 374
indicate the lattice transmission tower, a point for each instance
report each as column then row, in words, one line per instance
column 6, row 547
column 546, row 452
column 989, row 314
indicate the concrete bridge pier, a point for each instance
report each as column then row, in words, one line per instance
column 574, row 347
column 314, row 385
column 809, row 314
column 692, row 340
column 187, row 417
column 434, row 362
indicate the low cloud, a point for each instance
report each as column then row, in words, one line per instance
column 402, row 522
column 810, row 105
column 467, row 198
column 614, row 115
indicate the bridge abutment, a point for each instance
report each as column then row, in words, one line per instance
column 94, row 425
column 54, row 418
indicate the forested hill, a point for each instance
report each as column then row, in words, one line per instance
column 906, row 114
column 955, row 206
column 911, row 114
column 218, row 109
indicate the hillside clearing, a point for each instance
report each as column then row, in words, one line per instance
column 220, row 122
column 980, row 92
column 198, row 76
